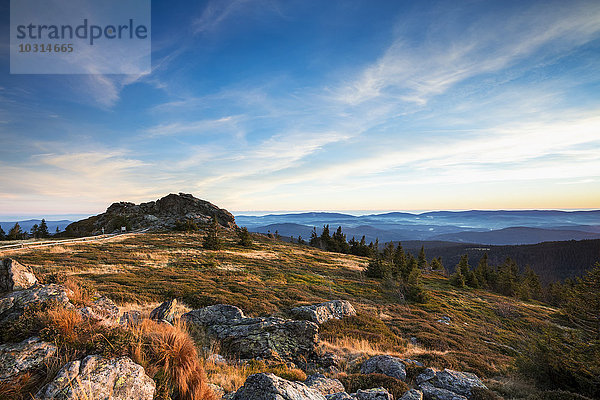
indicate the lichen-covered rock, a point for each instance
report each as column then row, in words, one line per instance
column 272, row 387
column 219, row 314
column 460, row 383
column 164, row 213
column 412, row 394
column 383, row 364
column 101, row 308
column 374, row 394
column 13, row 304
column 339, row 396
column 217, row 390
column 26, row 356
column 165, row 312
column 15, row 276
column 115, row 379
column 131, row 318
column 323, row 384
column 319, row 313
column 431, row 392
column 256, row 337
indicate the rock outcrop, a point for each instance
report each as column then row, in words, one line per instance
column 388, row 365
column 26, row 356
column 373, row 394
column 272, row 387
column 162, row 214
column 319, row 313
column 116, row 378
column 12, row 305
column 165, row 312
column 324, row 385
column 101, row 308
column 256, row 337
column 15, row 276
column 435, row 384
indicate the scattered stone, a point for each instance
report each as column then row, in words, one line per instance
column 101, row 308
column 256, row 337
column 319, row 313
column 416, row 363
column 458, row 382
column 131, row 318
column 383, row 364
column 431, row 392
column 217, row 359
column 428, row 374
column 412, row 394
column 445, row 320
column 15, row 276
column 271, row 387
column 217, row 390
column 413, row 340
column 323, row 384
column 339, row 396
column 374, row 394
column 165, row 312
column 28, row 355
column 12, row 305
column 116, row 378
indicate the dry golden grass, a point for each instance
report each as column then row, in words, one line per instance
column 170, row 351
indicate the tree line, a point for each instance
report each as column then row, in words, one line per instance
column 37, row 232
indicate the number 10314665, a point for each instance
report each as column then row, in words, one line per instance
column 45, row 48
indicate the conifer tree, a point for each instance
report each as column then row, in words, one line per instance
column 422, row 261
column 482, row 271
column 415, row 290
column 212, row 240
column 34, row 230
column 2, row 234
column 314, row 239
column 244, row 237
column 508, row 283
column 463, row 265
column 400, row 258
column 43, row 229
column 583, row 304
column 15, row 232
column 437, row 265
column 457, row 279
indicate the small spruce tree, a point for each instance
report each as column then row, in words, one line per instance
column 212, row 240
column 15, row 232
column 2, row 234
column 245, row 237
column 43, row 229
column 457, row 279
column 422, row 260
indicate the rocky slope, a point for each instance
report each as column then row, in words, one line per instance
column 162, row 214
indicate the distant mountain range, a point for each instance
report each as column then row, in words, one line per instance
column 27, row 224
column 482, row 227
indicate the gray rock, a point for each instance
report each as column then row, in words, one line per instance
column 271, row 387
column 319, row 313
column 101, row 308
column 28, row 355
column 162, row 214
column 219, row 314
column 383, row 364
column 217, row 390
column 412, row 394
column 116, row 378
column 164, row 312
column 427, row 375
column 458, row 382
column 217, row 359
column 374, row 394
column 339, row 396
column 431, row 392
column 130, row 318
column 15, row 276
column 323, row 384
column 256, row 337
column 12, row 305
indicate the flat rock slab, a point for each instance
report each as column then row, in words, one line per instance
column 256, row 337
column 102, row 378
column 460, row 383
column 28, row 355
column 373, row 394
column 13, row 304
column 324, row 385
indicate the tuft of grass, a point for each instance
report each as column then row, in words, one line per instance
column 354, row 382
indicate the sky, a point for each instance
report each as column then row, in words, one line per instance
column 320, row 105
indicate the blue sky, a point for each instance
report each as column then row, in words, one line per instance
column 312, row 105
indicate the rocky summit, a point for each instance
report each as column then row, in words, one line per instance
column 163, row 214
